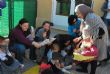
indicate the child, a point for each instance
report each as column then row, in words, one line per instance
column 56, row 59
column 44, row 67
column 65, row 43
column 73, row 26
column 6, row 59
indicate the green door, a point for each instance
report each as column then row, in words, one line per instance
column 4, row 21
column 15, row 10
column 18, row 11
column 30, row 11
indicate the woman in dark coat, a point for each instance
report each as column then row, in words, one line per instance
column 19, row 41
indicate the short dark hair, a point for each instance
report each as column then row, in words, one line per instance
column 56, row 56
column 71, row 18
column 23, row 20
column 61, row 39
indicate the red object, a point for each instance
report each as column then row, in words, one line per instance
column 44, row 66
column 92, row 51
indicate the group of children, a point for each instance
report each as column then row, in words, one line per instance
column 54, row 54
column 59, row 57
column 56, row 51
column 60, row 54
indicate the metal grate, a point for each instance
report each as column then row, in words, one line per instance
column 4, row 30
column 18, row 14
column 18, row 11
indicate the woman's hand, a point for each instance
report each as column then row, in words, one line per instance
column 44, row 34
column 76, row 40
column 36, row 44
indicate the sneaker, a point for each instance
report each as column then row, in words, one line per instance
column 34, row 61
column 21, row 66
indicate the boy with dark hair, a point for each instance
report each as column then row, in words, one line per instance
column 73, row 26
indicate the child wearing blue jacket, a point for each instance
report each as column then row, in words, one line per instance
column 73, row 26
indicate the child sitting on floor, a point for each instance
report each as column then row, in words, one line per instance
column 5, row 56
column 56, row 59
column 44, row 67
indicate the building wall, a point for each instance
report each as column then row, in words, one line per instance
column 97, row 6
column 44, row 10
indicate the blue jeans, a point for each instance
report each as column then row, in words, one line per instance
column 19, row 50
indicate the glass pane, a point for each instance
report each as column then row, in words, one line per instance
column 58, row 8
column 63, row 8
column 4, row 22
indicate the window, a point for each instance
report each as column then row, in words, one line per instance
column 63, row 7
column 87, row 2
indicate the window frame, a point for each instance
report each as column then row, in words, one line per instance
column 61, row 3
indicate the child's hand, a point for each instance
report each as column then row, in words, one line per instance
column 57, row 64
column 62, row 65
column 75, row 30
column 78, row 51
column 37, row 45
column 44, row 34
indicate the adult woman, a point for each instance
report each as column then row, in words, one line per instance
column 41, row 34
column 91, row 29
column 18, row 41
